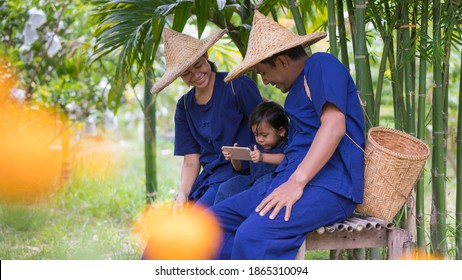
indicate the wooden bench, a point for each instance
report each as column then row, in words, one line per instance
column 359, row 232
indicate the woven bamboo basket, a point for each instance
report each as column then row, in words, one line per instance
column 394, row 161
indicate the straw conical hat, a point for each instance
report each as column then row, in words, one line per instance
column 181, row 51
column 267, row 38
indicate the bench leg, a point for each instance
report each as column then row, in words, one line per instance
column 399, row 244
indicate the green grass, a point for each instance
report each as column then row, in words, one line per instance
column 92, row 216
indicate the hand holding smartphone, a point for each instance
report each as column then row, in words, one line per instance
column 239, row 153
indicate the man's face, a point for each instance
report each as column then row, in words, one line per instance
column 274, row 75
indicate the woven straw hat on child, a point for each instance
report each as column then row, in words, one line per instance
column 181, row 51
column 268, row 38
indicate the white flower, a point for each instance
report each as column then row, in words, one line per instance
column 55, row 44
column 18, row 94
column 36, row 17
column 221, row 4
column 30, row 34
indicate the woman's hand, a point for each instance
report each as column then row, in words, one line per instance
column 180, row 201
column 256, row 155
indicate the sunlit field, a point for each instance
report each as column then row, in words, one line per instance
column 93, row 214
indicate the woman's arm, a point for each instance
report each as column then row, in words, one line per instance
column 189, row 171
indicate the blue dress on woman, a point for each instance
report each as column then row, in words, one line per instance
column 204, row 128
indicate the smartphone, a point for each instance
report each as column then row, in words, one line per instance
column 241, row 153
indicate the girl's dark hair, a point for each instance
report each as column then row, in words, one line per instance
column 294, row 53
column 271, row 112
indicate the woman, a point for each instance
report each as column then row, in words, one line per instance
column 210, row 115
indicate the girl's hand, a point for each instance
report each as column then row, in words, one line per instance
column 226, row 154
column 256, row 155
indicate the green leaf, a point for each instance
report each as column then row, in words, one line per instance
column 182, row 14
column 202, row 13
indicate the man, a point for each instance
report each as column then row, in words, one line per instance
column 321, row 178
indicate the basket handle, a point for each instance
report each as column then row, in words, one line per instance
column 357, row 145
column 308, row 93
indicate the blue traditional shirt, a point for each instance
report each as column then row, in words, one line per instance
column 328, row 81
column 204, row 128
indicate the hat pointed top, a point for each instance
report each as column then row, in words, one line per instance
column 267, row 38
column 173, row 40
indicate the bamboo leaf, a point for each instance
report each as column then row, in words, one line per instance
column 202, row 13
column 181, row 16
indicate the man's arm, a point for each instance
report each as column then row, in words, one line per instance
column 324, row 145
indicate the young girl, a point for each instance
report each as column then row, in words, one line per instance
column 270, row 126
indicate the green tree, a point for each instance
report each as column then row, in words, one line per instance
column 47, row 44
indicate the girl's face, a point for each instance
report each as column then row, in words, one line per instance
column 199, row 75
column 267, row 136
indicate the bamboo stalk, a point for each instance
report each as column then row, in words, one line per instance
column 407, row 54
column 342, row 35
column 438, row 237
column 458, row 226
column 150, row 139
column 352, row 20
column 330, row 228
column 293, row 6
column 388, row 47
column 339, row 226
column 366, row 224
column 354, row 225
column 321, row 230
column 420, row 192
column 380, row 222
column 398, row 99
column 378, row 93
column 364, row 79
column 332, row 26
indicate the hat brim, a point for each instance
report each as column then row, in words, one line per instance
column 171, row 75
column 249, row 62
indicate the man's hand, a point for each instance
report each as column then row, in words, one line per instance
column 283, row 196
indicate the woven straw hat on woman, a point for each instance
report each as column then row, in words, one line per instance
column 268, row 38
column 181, row 51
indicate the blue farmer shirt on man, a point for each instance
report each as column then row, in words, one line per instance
column 344, row 172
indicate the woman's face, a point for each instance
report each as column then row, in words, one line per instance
column 199, row 74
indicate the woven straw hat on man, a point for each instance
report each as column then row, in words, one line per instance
column 268, row 38
column 181, row 52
